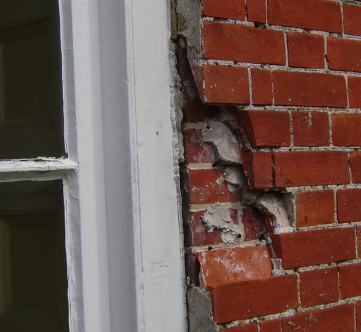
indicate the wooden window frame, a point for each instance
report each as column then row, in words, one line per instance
column 122, row 208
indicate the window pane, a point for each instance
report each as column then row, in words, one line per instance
column 30, row 80
column 33, row 283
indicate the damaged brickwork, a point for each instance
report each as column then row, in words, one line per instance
column 271, row 178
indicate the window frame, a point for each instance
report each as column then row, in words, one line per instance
column 131, row 239
column 123, row 243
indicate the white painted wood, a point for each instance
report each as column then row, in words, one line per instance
column 122, row 207
column 158, row 242
column 91, row 198
column 37, row 165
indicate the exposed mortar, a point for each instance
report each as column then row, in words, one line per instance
column 225, row 143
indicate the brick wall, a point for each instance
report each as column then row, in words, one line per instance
column 272, row 174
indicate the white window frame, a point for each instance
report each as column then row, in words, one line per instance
column 123, row 230
column 124, row 244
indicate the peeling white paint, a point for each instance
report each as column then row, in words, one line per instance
column 223, row 140
column 219, row 217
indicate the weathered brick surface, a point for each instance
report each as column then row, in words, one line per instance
column 306, row 50
column 345, row 129
column 222, row 266
column 355, row 164
column 319, row 287
column 241, row 43
column 344, row 54
column 349, row 205
column 310, row 128
column 315, row 208
column 257, row 11
column 259, row 168
column 271, row 326
column 315, row 247
column 354, row 91
column 248, row 328
column 253, row 298
column 294, row 169
column 266, row 128
column 223, row 84
column 351, row 19
column 262, row 90
column 234, row 9
column 337, row 319
column 285, row 77
column 320, row 15
column 350, row 281
column 309, row 89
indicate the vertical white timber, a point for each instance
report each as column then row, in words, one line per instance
column 92, row 190
column 132, row 264
column 159, row 265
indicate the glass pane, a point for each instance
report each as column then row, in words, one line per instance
column 33, row 280
column 30, row 80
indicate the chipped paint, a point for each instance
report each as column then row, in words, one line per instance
column 219, row 217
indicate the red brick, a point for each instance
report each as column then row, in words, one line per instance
column 308, row 168
column 253, row 223
column 242, row 43
column 350, row 281
column 259, row 169
column 310, row 128
column 324, row 15
column 266, row 128
column 271, row 326
column 223, row 84
column 234, row 9
column 208, row 186
column 352, row 19
column 358, row 244
column 336, row 319
column 309, row 89
column 306, row 50
column 257, row 11
column 315, row 247
column 346, row 129
column 319, row 287
column 343, row 54
column 262, row 91
column 230, row 265
column 199, row 235
column 358, row 316
column 355, row 163
column 248, row 328
column 196, row 151
column 315, row 208
column 254, row 298
column 354, row 91
column 194, row 110
column 349, row 205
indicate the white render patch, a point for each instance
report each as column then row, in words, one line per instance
column 272, row 205
column 223, row 140
column 219, row 217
